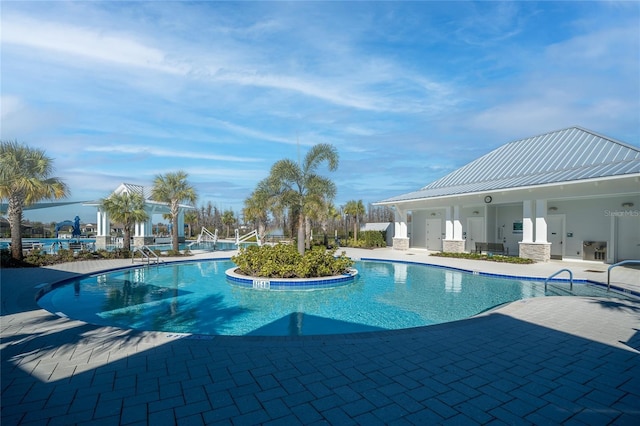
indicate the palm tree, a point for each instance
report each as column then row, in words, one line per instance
column 25, row 179
column 228, row 219
column 174, row 189
column 256, row 207
column 300, row 188
column 126, row 208
column 190, row 218
column 356, row 209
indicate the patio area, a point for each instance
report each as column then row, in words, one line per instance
column 549, row 360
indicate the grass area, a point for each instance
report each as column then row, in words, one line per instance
column 487, row 257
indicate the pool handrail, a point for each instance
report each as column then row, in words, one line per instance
column 145, row 251
column 624, row 262
column 560, row 271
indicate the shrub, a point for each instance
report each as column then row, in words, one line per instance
column 477, row 256
column 284, row 261
column 368, row 239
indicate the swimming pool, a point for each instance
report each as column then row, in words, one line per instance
column 52, row 245
column 195, row 297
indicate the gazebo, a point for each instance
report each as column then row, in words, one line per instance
column 143, row 231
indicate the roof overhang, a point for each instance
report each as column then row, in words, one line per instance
column 596, row 187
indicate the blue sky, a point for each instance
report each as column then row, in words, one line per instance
column 406, row 91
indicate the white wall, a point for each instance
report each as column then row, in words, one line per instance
column 589, row 220
column 502, row 232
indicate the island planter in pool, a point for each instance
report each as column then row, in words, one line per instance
column 291, row 284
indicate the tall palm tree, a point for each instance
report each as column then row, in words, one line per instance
column 173, row 188
column 126, row 208
column 228, row 219
column 256, row 208
column 299, row 187
column 25, row 179
column 356, row 209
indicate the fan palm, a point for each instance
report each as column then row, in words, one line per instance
column 173, row 188
column 25, row 179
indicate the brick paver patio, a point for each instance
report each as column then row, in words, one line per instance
column 538, row 361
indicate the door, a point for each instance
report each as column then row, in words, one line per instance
column 555, row 231
column 434, row 234
column 627, row 238
column 475, row 232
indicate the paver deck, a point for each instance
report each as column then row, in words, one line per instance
column 554, row 360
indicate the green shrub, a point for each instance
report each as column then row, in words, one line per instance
column 284, row 261
column 477, row 256
column 367, row 239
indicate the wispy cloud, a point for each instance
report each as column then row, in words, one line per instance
column 169, row 153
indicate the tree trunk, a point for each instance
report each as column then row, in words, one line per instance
column 261, row 232
column 126, row 243
column 355, row 231
column 14, row 213
column 307, row 233
column 301, row 234
column 174, row 222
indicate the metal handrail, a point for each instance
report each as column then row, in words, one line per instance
column 145, row 254
column 624, row 262
column 560, row 271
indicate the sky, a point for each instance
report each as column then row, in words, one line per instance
column 405, row 91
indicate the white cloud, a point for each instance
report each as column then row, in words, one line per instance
column 169, row 153
column 114, row 48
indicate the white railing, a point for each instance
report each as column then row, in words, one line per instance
column 246, row 237
column 206, row 236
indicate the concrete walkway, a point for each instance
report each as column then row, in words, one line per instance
column 554, row 360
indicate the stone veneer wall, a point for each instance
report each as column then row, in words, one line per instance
column 400, row 243
column 453, row 246
column 540, row 252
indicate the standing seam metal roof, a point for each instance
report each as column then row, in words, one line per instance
column 562, row 156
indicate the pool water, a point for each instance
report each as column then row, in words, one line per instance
column 52, row 245
column 196, row 298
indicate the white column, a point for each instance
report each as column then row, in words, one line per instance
column 400, row 223
column 99, row 223
column 448, row 231
column 181, row 223
column 541, row 221
column 527, row 221
column 457, row 225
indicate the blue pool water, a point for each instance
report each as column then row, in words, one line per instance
column 196, row 297
column 52, row 245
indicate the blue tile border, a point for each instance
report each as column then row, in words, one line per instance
column 293, row 284
column 516, row 277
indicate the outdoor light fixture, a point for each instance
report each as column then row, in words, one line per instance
column 553, row 209
column 627, row 204
column 476, row 212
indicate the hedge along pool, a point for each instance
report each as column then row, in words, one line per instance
column 196, row 297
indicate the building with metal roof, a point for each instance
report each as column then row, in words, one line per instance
column 561, row 194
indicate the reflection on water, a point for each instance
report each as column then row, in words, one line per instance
column 196, row 298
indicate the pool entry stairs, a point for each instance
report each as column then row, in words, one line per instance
column 147, row 255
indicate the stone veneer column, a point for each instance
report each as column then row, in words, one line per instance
column 453, row 246
column 400, row 239
column 540, row 252
column 400, row 243
column 453, row 242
